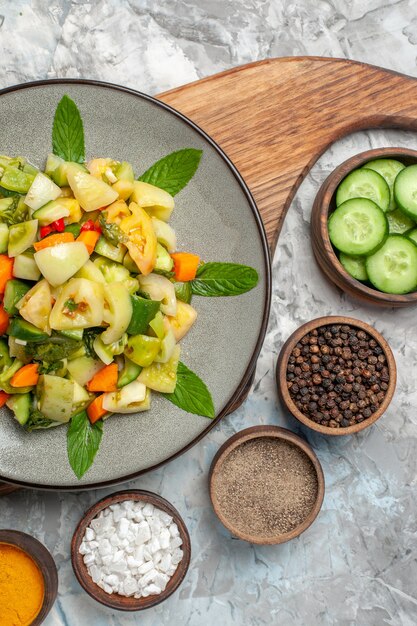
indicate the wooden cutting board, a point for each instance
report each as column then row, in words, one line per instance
column 274, row 118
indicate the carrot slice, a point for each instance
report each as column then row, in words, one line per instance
column 3, row 398
column 6, row 271
column 4, row 320
column 27, row 376
column 95, row 410
column 105, row 379
column 53, row 240
column 185, row 265
column 89, row 239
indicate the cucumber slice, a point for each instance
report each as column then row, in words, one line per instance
column 164, row 262
column 51, row 212
column 4, row 238
column 412, row 234
column 364, row 183
column 405, row 191
column 21, row 237
column 59, row 175
column 41, row 191
column 20, row 405
column 23, row 330
column 354, row 265
column 25, row 267
column 389, row 169
column 14, row 291
column 399, row 223
column 115, row 253
column 358, row 227
column 393, row 268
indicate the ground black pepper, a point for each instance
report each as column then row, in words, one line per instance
column 344, row 376
column 266, row 487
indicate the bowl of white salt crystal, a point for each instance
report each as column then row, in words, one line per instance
column 131, row 550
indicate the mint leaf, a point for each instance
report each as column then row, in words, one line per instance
column 191, row 394
column 223, row 279
column 173, row 172
column 83, row 441
column 68, row 132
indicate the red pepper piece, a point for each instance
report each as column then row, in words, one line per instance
column 45, row 231
column 88, row 225
column 58, row 225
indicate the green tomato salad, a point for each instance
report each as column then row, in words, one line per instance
column 95, row 297
column 374, row 225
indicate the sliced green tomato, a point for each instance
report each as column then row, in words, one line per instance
column 4, row 238
column 14, row 291
column 83, row 368
column 143, row 311
column 25, row 331
column 355, row 266
column 129, row 373
column 107, row 352
column 183, row 320
column 20, row 405
column 21, row 237
column 55, row 396
column 106, row 249
column 14, row 179
column 157, row 325
column 7, row 208
column 25, row 267
column 141, row 242
column 183, row 292
column 6, row 376
column 389, row 169
column 161, row 289
column 35, row 306
column 52, row 162
column 58, row 263
column 412, row 234
column 5, row 360
column 79, row 305
column 399, row 223
column 405, row 191
column 364, row 183
column 393, row 268
column 156, row 201
column 117, row 311
column 164, row 262
column 168, row 344
column 51, row 212
column 129, row 264
column 125, row 400
column 41, row 191
column 162, row 377
column 90, row 271
column 358, row 227
column 165, row 234
column 142, row 349
column 124, row 171
column 91, row 193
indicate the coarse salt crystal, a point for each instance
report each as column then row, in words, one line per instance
column 132, row 548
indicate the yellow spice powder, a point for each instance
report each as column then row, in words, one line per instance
column 22, row 587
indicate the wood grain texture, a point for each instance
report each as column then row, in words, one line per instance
column 281, row 374
column 274, row 118
column 324, row 204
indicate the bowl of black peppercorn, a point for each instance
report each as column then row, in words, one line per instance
column 336, row 375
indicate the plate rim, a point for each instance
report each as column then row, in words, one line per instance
column 266, row 261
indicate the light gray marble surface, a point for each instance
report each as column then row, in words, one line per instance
column 357, row 565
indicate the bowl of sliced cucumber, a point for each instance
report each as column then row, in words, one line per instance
column 364, row 227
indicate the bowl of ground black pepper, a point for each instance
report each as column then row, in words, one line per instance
column 336, row 375
column 266, row 485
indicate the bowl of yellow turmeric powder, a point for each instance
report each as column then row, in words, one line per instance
column 28, row 580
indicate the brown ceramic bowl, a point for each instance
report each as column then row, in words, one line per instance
column 267, row 432
column 323, row 250
column 43, row 560
column 115, row 601
column 281, row 374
